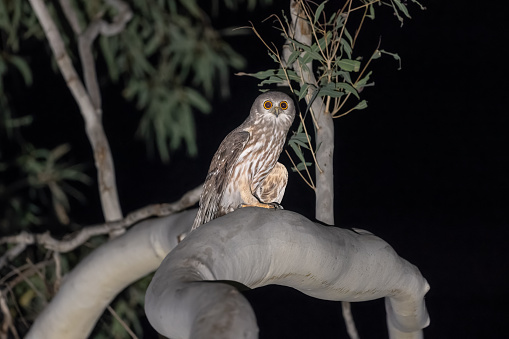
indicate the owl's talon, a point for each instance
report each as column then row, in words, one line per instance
column 270, row 205
column 276, row 205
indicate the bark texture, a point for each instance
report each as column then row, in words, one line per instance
column 258, row 247
column 92, row 285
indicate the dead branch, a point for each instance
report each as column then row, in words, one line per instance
column 69, row 243
column 7, row 324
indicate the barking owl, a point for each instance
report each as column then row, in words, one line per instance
column 244, row 170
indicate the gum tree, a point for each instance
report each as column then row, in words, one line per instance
column 250, row 246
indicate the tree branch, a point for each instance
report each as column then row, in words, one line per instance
column 70, row 243
column 258, row 247
column 88, row 107
column 96, row 280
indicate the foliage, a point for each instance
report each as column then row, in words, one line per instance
column 170, row 61
column 338, row 74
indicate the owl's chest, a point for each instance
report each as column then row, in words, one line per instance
column 259, row 156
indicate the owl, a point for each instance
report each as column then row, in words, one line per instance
column 244, row 170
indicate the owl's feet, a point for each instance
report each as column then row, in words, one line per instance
column 270, row 205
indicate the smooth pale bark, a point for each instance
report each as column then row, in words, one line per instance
column 258, row 247
column 94, row 282
column 92, row 115
column 300, row 31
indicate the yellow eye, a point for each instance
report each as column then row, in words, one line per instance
column 267, row 104
column 283, row 105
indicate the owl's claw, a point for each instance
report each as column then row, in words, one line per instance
column 270, row 205
column 276, row 205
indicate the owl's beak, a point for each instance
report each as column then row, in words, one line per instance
column 276, row 111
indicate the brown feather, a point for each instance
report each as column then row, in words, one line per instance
column 220, row 171
column 244, row 170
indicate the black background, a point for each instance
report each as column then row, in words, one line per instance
column 425, row 167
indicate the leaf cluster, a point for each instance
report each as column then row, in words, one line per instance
column 171, row 61
column 326, row 68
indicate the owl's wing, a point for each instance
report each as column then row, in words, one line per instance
column 219, row 174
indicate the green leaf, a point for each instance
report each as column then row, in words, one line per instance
column 361, row 83
column 361, row 105
column 345, row 47
column 347, row 88
column 329, row 90
column 293, row 57
column 297, row 151
column 323, row 42
column 349, row 65
column 303, row 91
column 301, row 166
column 262, row 74
column 192, row 7
column 371, row 14
column 109, row 57
column 348, row 36
column 402, row 8
column 394, row 55
column 22, row 67
column 319, row 11
column 300, row 139
column 197, row 100
column 343, row 74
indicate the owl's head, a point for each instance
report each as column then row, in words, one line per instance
column 274, row 107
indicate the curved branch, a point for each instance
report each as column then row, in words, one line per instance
column 96, row 280
column 258, row 247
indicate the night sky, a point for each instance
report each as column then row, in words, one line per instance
column 425, row 167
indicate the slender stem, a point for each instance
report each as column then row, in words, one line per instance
column 365, row 5
column 122, row 322
column 312, row 185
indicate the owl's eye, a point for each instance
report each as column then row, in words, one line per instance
column 267, row 104
column 283, row 105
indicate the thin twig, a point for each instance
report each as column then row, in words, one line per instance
column 356, row 81
column 312, row 185
column 58, row 272
column 29, row 283
column 309, row 143
column 7, row 324
column 12, row 253
column 79, row 238
column 365, row 5
column 27, row 270
column 124, row 325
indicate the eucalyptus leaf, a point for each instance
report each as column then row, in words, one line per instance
column 348, row 65
column 301, row 166
column 402, row 7
column 361, row 105
column 347, row 88
column 319, row 11
column 22, row 66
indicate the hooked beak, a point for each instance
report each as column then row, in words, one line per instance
column 277, row 111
